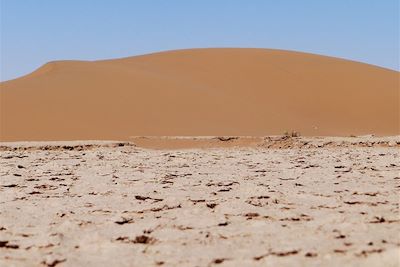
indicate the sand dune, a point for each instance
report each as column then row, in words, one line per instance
column 247, row 92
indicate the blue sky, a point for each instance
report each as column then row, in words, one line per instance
column 34, row 32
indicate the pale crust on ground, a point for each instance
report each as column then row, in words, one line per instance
column 185, row 142
column 324, row 203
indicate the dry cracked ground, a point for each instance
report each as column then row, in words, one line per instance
column 120, row 205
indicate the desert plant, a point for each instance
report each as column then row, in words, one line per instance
column 292, row 133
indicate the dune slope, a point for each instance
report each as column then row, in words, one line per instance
column 200, row 92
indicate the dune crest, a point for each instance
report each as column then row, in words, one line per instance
column 212, row 92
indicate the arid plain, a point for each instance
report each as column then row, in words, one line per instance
column 225, row 157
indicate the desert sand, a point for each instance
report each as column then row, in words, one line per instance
column 273, row 201
column 200, row 92
column 201, row 173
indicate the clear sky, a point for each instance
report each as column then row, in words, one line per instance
column 34, row 32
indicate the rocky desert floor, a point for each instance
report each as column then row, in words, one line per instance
column 281, row 202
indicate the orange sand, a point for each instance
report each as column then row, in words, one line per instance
column 213, row 92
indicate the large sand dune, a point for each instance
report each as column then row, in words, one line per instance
column 201, row 92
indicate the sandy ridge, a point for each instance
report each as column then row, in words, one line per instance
column 201, row 92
